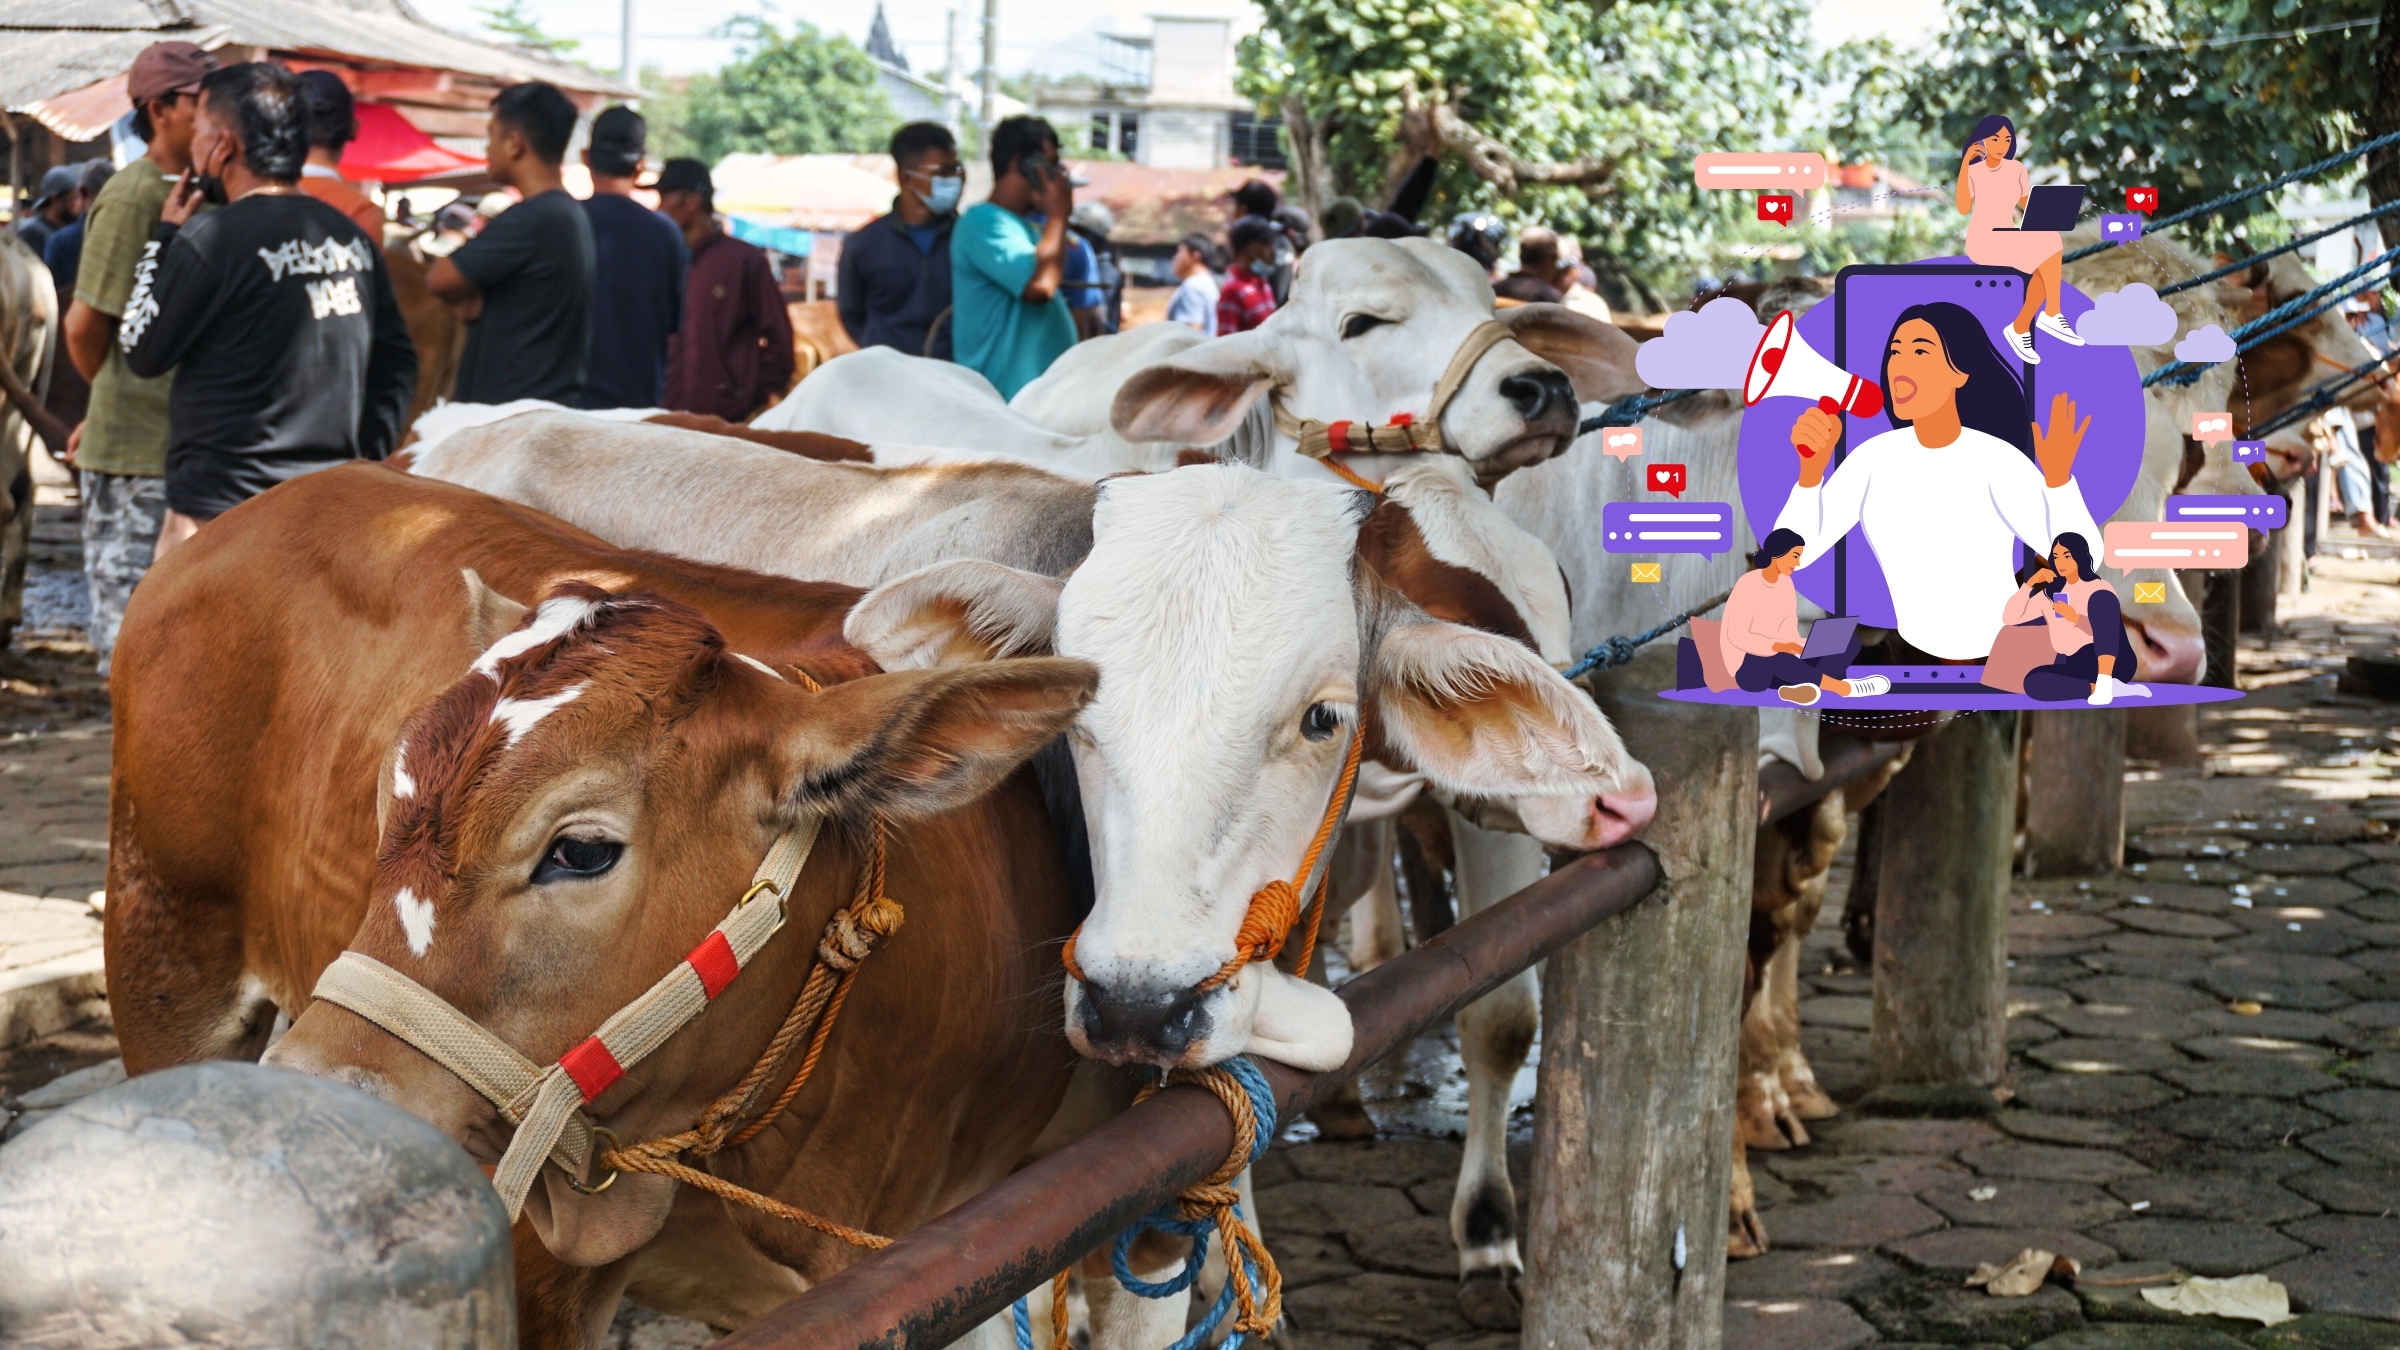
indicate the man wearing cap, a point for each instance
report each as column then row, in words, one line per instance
column 332, row 125
column 61, row 201
column 120, row 450
column 733, row 352
column 1007, row 259
column 894, row 279
column 638, row 262
column 1092, row 281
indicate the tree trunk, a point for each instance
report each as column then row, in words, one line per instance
column 1307, row 180
column 1633, row 1131
column 1866, row 869
column 2167, row 737
column 2075, row 803
column 1941, row 913
column 2383, row 116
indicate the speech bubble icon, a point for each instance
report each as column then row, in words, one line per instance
column 2263, row 511
column 1776, row 207
column 1620, row 443
column 2212, row 426
column 1668, row 478
column 1652, row 528
column 2120, row 229
column 2142, row 199
column 2249, row 452
column 2176, row 544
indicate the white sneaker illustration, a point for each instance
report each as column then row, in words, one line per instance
column 1868, row 686
column 2056, row 326
column 2023, row 342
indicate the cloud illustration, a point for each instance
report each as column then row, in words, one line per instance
column 2206, row 346
column 2133, row 317
column 1705, row 349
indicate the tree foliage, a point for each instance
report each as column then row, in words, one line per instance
column 514, row 25
column 793, row 92
column 2194, row 97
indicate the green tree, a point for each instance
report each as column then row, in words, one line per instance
column 2194, row 97
column 514, row 25
column 785, row 93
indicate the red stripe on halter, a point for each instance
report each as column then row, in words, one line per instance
column 716, row 965
column 592, row 1067
column 1337, row 436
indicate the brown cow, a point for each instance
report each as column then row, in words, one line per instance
column 594, row 792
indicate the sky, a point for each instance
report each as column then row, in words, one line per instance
column 1055, row 37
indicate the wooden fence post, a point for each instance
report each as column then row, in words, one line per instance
column 2075, row 794
column 1633, row 1130
column 1941, row 908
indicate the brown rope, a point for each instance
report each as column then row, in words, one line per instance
column 1212, row 1199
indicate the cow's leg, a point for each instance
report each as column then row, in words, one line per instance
column 1361, row 866
column 1745, row 1235
column 1494, row 1035
column 1807, row 1100
column 179, row 986
column 1124, row 1320
column 563, row 1307
column 1375, row 932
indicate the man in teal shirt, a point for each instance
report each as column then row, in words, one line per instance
column 1008, row 320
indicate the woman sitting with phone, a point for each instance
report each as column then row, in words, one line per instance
column 2087, row 629
column 1761, row 633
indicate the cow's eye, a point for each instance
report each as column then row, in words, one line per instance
column 573, row 859
column 1360, row 323
column 1320, row 721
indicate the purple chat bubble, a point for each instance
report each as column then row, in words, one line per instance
column 1667, row 527
column 2120, row 229
column 2249, row 452
column 2262, row 512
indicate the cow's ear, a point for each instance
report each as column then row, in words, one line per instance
column 1597, row 356
column 953, row 614
column 920, row 742
column 491, row 616
column 1198, row 398
column 1479, row 714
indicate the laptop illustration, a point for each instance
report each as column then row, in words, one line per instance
column 2052, row 208
column 1828, row 637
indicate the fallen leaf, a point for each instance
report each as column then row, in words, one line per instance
column 2245, row 1007
column 2254, row 1297
column 2023, row 1274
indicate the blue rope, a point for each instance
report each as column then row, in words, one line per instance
column 1631, row 409
column 2283, row 318
column 2239, row 194
column 2244, row 263
column 1167, row 1219
column 2320, row 397
column 1619, row 651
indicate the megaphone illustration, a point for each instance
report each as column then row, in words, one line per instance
column 1786, row 366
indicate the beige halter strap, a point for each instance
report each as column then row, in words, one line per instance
column 1406, row 432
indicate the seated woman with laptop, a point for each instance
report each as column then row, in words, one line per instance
column 1992, row 184
column 1761, row 634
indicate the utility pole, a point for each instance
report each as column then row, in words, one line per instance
column 991, row 63
column 951, row 102
column 625, row 40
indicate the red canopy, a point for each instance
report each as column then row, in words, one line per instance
column 390, row 150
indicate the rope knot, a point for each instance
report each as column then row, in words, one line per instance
column 1253, row 1287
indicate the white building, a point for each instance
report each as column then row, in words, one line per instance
column 1165, row 99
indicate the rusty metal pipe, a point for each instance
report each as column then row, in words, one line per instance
column 939, row 1282
column 1781, row 789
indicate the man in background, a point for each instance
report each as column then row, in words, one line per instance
column 120, row 451
column 274, row 311
column 1195, row 301
column 70, row 394
column 1008, row 258
column 1245, row 300
column 894, row 280
column 732, row 354
column 1095, row 284
column 332, row 125
column 1536, row 279
column 524, row 285
column 61, row 202
column 638, row 263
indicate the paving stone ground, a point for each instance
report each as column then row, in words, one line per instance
column 2157, row 1123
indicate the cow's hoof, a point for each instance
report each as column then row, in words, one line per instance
column 1342, row 1120
column 1489, row 1298
column 1746, row 1236
column 1756, row 1122
column 1809, row 1101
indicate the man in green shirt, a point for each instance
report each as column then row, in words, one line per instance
column 120, row 451
column 1008, row 320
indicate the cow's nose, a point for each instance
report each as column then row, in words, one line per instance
column 1536, row 393
column 1151, row 1022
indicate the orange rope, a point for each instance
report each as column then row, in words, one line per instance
column 1356, row 479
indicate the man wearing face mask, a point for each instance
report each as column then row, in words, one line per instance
column 1008, row 259
column 894, row 280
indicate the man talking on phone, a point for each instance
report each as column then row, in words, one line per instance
column 1007, row 256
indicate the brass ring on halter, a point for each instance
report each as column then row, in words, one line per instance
column 613, row 1145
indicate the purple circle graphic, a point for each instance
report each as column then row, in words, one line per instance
column 2103, row 381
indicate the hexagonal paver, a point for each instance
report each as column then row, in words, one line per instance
column 1850, row 1134
column 1851, row 1221
column 2025, row 1204
column 1846, row 1012
column 2352, row 1190
column 2084, row 1055
column 2202, row 1246
column 2116, row 1021
column 2255, row 1047
column 2283, row 1023
column 1793, row 1324
column 2374, row 909
column 1956, row 1251
column 1970, row 1316
column 1401, row 1306
column 2249, row 1078
column 2377, row 1235
column 1374, row 1162
column 2379, row 877
column 1806, row 1274
column 2050, row 1162
column 2084, row 1131
column 2135, row 992
column 2353, row 1283
column 1327, row 1208
column 2360, row 1105
column 2173, row 922
column 2372, row 1144
column 2382, row 1067
column 2328, row 1331
column 2190, row 898
column 2243, row 1122
column 2077, row 1093
column 2304, row 860
column 2285, row 967
column 1418, row 1246
column 1859, row 1174
column 2234, row 1199
column 2140, row 1336
column 2308, row 997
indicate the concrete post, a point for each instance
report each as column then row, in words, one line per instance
column 2075, row 799
column 1633, row 1131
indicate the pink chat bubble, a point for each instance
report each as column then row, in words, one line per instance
column 2212, row 426
column 1668, row 478
column 2176, row 544
column 1724, row 169
column 1620, row 443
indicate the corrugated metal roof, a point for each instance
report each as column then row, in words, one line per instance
column 48, row 47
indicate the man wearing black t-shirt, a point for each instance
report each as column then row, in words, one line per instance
column 639, row 261
column 524, row 285
column 275, row 313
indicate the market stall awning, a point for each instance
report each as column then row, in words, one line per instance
column 390, row 150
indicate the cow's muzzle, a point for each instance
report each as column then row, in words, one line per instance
column 1131, row 1022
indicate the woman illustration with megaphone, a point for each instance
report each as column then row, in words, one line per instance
column 1992, row 185
column 1946, row 494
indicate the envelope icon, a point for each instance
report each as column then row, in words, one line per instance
column 1645, row 571
column 2149, row 592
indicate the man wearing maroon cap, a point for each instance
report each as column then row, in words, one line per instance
column 121, row 447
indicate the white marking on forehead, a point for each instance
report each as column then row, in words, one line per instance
column 521, row 715
column 755, row 664
column 1464, row 528
column 403, row 786
column 416, row 920
column 557, row 617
